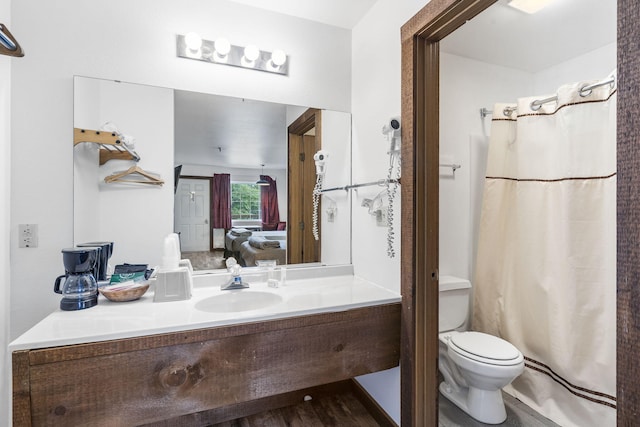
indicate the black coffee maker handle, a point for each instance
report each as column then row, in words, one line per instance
column 56, row 286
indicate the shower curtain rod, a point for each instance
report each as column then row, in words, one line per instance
column 380, row 182
column 535, row 105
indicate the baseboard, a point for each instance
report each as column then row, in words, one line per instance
column 372, row 406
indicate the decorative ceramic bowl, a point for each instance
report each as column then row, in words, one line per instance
column 124, row 292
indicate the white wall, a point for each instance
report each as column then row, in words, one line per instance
column 132, row 42
column 466, row 86
column 336, row 141
column 5, row 228
column 593, row 65
column 376, row 97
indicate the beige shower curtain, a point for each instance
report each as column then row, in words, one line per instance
column 545, row 271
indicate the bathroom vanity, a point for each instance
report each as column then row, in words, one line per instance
column 189, row 362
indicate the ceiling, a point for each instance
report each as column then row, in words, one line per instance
column 339, row 13
column 233, row 132
column 563, row 30
column 244, row 133
column 500, row 35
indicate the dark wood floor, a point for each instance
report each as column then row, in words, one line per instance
column 343, row 409
column 339, row 410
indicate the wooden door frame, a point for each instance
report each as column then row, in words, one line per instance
column 210, row 179
column 420, row 38
column 311, row 118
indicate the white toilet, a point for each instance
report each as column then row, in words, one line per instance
column 475, row 365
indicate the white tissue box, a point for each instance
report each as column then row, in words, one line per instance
column 186, row 263
column 173, row 285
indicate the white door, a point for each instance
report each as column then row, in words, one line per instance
column 191, row 214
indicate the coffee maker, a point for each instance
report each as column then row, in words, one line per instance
column 102, row 265
column 80, row 289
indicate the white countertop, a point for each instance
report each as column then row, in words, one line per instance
column 115, row 320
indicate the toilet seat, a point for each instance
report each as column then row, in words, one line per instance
column 485, row 348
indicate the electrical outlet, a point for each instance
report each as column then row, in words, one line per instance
column 28, row 235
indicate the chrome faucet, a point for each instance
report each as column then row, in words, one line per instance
column 236, row 281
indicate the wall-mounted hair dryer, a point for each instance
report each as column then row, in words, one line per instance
column 392, row 127
column 320, row 158
column 392, row 131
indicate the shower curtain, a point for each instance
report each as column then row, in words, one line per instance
column 545, row 270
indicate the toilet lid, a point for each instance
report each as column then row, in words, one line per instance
column 484, row 346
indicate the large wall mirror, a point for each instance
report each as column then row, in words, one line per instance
column 184, row 139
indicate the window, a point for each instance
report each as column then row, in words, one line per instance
column 245, row 201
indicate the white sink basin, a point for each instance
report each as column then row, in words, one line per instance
column 240, row 300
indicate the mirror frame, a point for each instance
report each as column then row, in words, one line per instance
column 420, row 152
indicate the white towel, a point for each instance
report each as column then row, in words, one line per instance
column 260, row 242
column 240, row 232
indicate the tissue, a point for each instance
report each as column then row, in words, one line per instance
column 174, row 281
column 171, row 253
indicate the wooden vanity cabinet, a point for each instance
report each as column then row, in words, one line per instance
column 148, row 379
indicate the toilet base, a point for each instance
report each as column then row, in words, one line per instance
column 483, row 405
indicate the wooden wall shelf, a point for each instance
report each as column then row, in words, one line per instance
column 111, row 147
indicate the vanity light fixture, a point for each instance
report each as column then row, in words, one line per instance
column 251, row 53
column 193, row 42
column 529, row 6
column 278, row 58
column 220, row 51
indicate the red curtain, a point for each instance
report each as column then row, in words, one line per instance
column 269, row 204
column 221, row 201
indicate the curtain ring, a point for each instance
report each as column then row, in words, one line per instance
column 508, row 111
column 583, row 93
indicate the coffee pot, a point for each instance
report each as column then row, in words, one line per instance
column 80, row 289
column 102, row 264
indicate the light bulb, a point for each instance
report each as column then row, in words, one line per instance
column 222, row 46
column 278, row 57
column 193, row 41
column 251, row 53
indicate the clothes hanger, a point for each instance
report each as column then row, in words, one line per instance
column 8, row 44
column 134, row 170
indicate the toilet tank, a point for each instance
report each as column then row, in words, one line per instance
column 453, row 302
